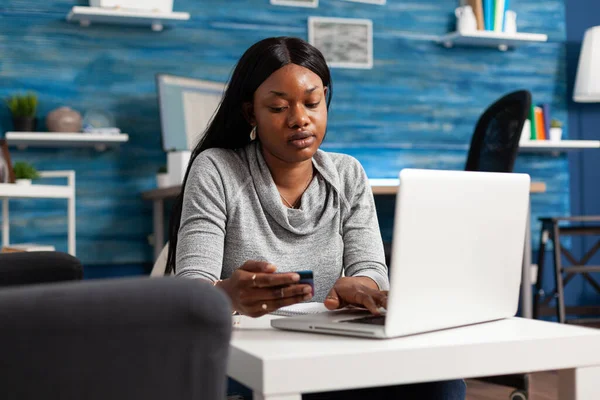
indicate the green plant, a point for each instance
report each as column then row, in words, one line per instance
column 555, row 124
column 24, row 170
column 162, row 169
column 23, row 105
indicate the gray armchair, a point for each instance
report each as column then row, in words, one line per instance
column 134, row 338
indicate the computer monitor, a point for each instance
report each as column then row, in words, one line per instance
column 186, row 107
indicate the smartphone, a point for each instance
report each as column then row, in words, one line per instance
column 306, row 277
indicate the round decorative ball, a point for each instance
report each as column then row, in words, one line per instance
column 64, row 119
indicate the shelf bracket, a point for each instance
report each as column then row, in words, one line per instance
column 157, row 26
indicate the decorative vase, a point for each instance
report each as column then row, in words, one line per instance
column 556, row 134
column 162, row 180
column 64, row 119
column 24, row 124
column 24, row 182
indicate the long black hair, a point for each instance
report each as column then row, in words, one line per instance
column 229, row 128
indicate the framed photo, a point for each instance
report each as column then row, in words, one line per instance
column 296, row 3
column 7, row 175
column 345, row 42
column 379, row 2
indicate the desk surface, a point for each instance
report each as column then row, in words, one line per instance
column 264, row 358
column 379, row 187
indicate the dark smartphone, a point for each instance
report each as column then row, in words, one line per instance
column 306, row 277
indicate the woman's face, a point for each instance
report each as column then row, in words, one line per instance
column 290, row 113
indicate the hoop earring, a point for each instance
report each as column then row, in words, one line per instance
column 253, row 133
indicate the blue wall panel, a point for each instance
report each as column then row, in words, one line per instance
column 416, row 108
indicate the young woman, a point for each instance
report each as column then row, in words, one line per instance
column 260, row 200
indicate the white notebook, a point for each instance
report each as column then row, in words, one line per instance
column 301, row 309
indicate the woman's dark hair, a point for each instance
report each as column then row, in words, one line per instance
column 229, row 128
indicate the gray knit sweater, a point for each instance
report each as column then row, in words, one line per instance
column 232, row 213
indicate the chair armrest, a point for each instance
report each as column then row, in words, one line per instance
column 38, row 267
column 135, row 338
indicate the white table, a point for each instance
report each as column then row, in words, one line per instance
column 34, row 191
column 280, row 365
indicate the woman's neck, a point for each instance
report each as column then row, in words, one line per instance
column 291, row 179
column 288, row 175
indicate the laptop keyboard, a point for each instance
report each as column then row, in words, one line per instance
column 370, row 320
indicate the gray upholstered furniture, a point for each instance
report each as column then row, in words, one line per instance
column 134, row 338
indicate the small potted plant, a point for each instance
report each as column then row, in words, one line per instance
column 23, row 109
column 556, row 130
column 162, row 177
column 24, row 173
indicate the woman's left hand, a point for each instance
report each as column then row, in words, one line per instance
column 356, row 291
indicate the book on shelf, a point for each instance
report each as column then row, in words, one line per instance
column 477, row 6
column 539, row 124
column 488, row 14
column 499, row 15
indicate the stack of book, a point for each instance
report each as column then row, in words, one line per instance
column 537, row 127
column 489, row 13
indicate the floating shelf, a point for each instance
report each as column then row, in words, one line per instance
column 54, row 139
column 558, row 146
column 34, row 191
column 501, row 40
column 86, row 15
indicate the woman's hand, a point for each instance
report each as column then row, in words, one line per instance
column 255, row 290
column 356, row 291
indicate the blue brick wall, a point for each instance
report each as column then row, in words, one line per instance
column 415, row 108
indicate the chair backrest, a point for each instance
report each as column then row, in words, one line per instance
column 27, row 268
column 118, row 339
column 495, row 142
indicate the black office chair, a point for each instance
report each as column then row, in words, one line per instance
column 494, row 148
column 26, row 268
column 495, row 142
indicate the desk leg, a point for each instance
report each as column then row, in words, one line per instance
column 5, row 224
column 526, row 295
column 258, row 396
column 71, row 228
column 579, row 384
column 157, row 221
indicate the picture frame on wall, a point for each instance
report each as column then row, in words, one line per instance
column 345, row 42
column 7, row 174
column 296, row 3
column 378, row 2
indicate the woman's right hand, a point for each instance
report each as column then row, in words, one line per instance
column 255, row 289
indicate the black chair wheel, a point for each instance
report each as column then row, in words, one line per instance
column 518, row 395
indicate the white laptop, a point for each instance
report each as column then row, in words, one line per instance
column 456, row 256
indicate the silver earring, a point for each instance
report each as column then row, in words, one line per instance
column 253, row 133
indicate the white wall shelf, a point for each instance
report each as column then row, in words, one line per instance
column 501, row 40
column 88, row 15
column 558, row 146
column 54, row 139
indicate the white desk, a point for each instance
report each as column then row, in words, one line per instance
column 280, row 365
column 34, row 191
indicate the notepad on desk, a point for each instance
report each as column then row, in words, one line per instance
column 301, row 309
